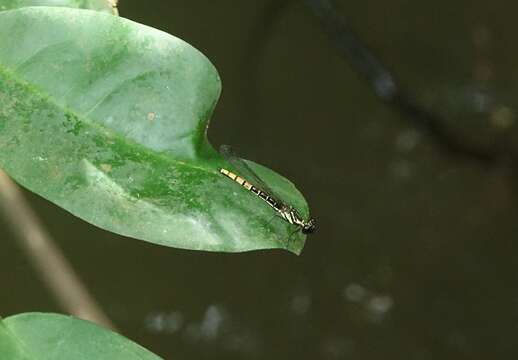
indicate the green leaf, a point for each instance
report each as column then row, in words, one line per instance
column 36, row 336
column 107, row 118
column 98, row 5
column 10, row 347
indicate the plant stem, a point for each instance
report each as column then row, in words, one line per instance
column 49, row 261
column 388, row 89
column 114, row 4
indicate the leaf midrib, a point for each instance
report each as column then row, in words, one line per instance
column 21, row 345
column 34, row 90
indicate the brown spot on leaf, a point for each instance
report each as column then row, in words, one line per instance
column 106, row 168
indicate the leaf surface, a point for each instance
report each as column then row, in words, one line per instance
column 37, row 336
column 107, row 118
column 98, row 5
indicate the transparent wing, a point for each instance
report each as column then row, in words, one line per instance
column 246, row 172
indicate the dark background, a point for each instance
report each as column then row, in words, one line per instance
column 415, row 253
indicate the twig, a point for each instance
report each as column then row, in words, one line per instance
column 382, row 81
column 114, row 4
column 50, row 263
column 387, row 88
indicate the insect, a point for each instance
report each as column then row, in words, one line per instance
column 254, row 184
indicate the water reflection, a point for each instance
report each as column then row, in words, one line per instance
column 300, row 304
column 407, row 140
column 401, row 169
column 215, row 327
column 375, row 306
column 169, row 323
column 355, row 293
column 209, row 327
column 337, row 348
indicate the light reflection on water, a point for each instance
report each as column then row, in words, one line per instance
column 169, row 323
column 376, row 306
column 215, row 327
column 407, row 140
column 209, row 327
column 300, row 304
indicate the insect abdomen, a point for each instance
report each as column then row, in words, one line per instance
column 247, row 185
column 237, row 179
column 287, row 212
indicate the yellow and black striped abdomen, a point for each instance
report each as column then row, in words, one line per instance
column 287, row 212
column 250, row 187
column 237, row 179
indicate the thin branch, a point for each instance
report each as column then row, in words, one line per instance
column 114, row 4
column 386, row 87
column 48, row 260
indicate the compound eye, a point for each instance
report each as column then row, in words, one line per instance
column 308, row 229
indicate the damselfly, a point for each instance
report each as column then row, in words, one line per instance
column 249, row 179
